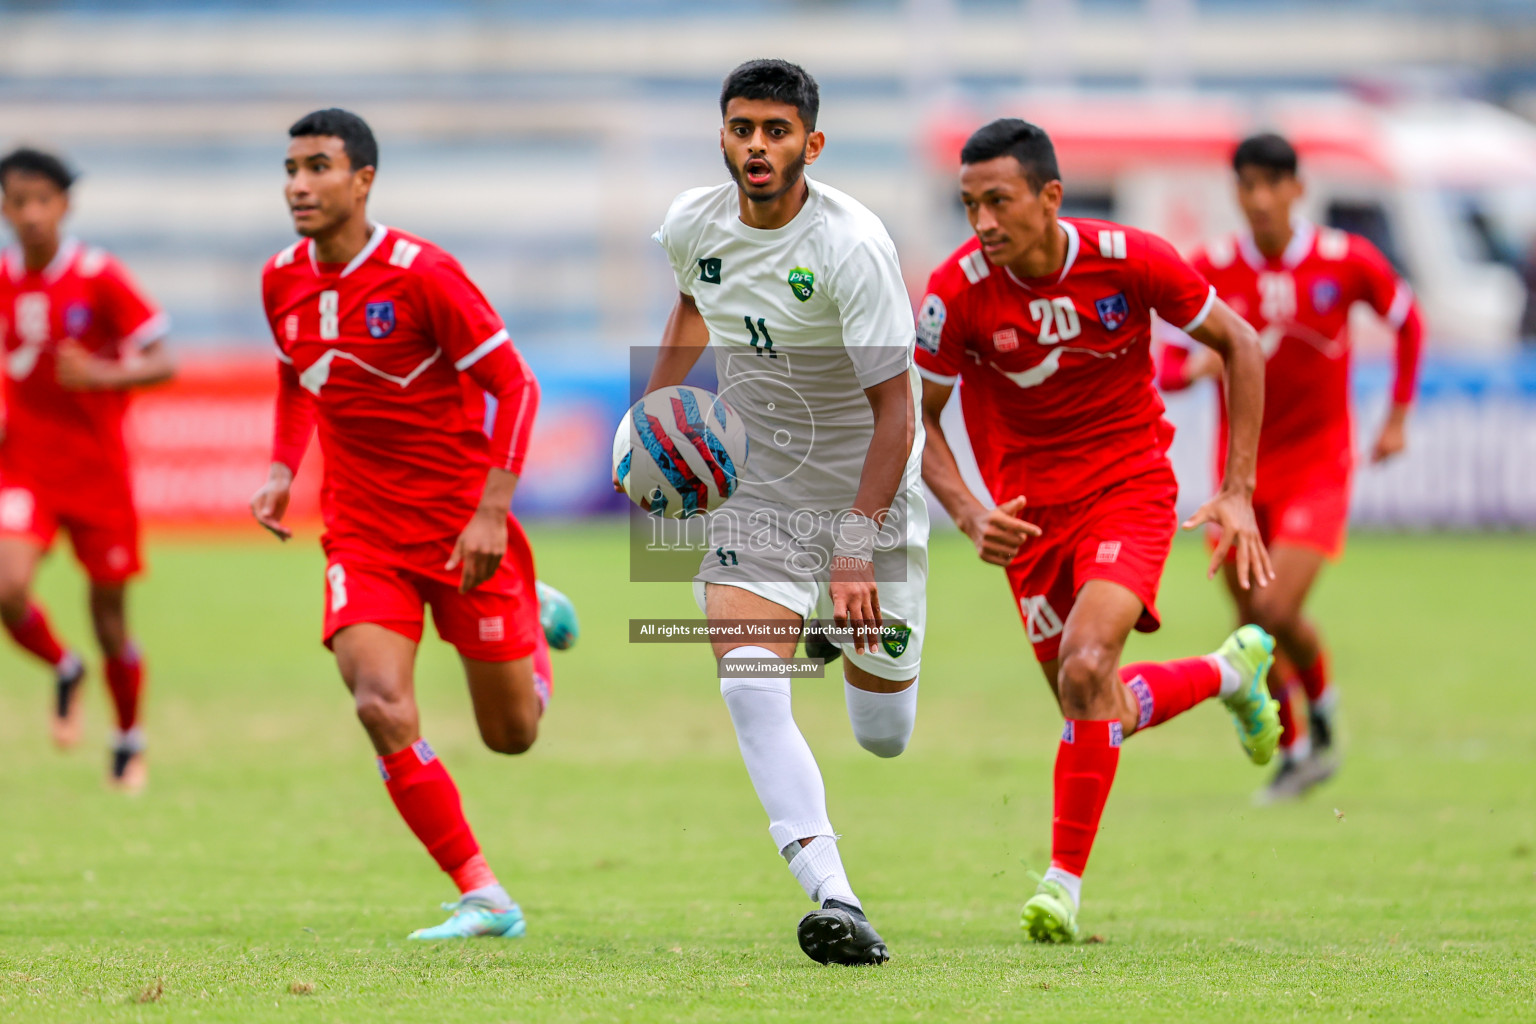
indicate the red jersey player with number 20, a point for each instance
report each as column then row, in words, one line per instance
column 1296, row 284
column 78, row 334
column 387, row 346
column 1046, row 324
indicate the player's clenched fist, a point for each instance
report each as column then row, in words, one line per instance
column 998, row 533
column 270, row 503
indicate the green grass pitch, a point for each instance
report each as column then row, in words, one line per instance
column 265, row 876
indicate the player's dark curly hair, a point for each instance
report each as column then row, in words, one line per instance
column 35, row 161
column 1268, row 151
column 355, row 135
column 1015, row 137
column 776, row 80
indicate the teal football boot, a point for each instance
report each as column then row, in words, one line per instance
column 558, row 617
column 472, row 919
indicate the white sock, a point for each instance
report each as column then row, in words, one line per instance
column 882, row 722
column 819, row 869
column 68, row 665
column 1231, row 680
column 779, row 762
column 1328, row 703
column 1072, row 883
column 1298, row 751
column 492, row 895
column 132, row 740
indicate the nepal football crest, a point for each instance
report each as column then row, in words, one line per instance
column 1325, row 294
column 77, row 317
column 381, row 318
column 1113, row 311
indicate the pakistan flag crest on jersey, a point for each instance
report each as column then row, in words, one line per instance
column 895, row 639
column 803, row 283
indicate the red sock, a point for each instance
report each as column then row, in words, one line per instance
column 427, row 799
column 33, row 634
column 1085, row 769
column 125, row 679
column 543, row 672
column 1314, row 678
column 1164, row 689
column 1287, row 692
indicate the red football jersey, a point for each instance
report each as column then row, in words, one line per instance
column 1056, row 373
column 57, row 439
column 395, row 353
column 1299, row 303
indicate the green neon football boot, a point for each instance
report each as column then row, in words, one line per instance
column 1251, row 651
column 1051, row 914
column 472, row 919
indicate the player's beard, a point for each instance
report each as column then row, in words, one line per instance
column 793, row 172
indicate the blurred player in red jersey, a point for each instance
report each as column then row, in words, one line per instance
column 1046, row 323
column 387, row 346
column 78, row 334
column 1295, row 283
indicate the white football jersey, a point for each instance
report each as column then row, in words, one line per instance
column 802, row 318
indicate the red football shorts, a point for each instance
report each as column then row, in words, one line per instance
column 104, row 530
column 1122, row 534
column 1313, row 514
column 390, row 586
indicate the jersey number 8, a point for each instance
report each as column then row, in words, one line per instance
column 330, row 316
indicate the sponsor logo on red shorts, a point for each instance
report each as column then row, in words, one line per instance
column 1109, row 550
column 493, row 629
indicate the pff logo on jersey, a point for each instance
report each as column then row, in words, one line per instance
column 803, row 283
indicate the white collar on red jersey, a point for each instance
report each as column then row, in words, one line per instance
column 16, row 261
column 1303, row 234
column 1074, row 243
column 374, row 241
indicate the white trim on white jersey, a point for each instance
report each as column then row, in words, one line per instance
column 481, row 350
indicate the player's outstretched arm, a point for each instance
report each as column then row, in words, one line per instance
column 81, row 370
column 1231, row 509
column 1393, row 437
column 855, row 596
column 997, row 532
column 682, row 342
column 293, row 424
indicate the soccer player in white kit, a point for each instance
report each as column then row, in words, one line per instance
column 799, row 288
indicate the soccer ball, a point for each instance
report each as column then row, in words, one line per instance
column 680, row 452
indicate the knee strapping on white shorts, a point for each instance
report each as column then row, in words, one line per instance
column 778, row 760
column 882, row 722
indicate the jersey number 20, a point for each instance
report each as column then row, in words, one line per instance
column 1057, row 319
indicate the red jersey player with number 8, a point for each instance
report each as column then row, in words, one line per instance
column 1046, row 323
column 78, row 335
column 387, row 346
column 1296, row 283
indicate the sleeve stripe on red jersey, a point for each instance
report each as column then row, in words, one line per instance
column 937, row 378
column 530, row 394
column 481, row 350
column 1402, row 302
column 1205, row 311
column 152, row 330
